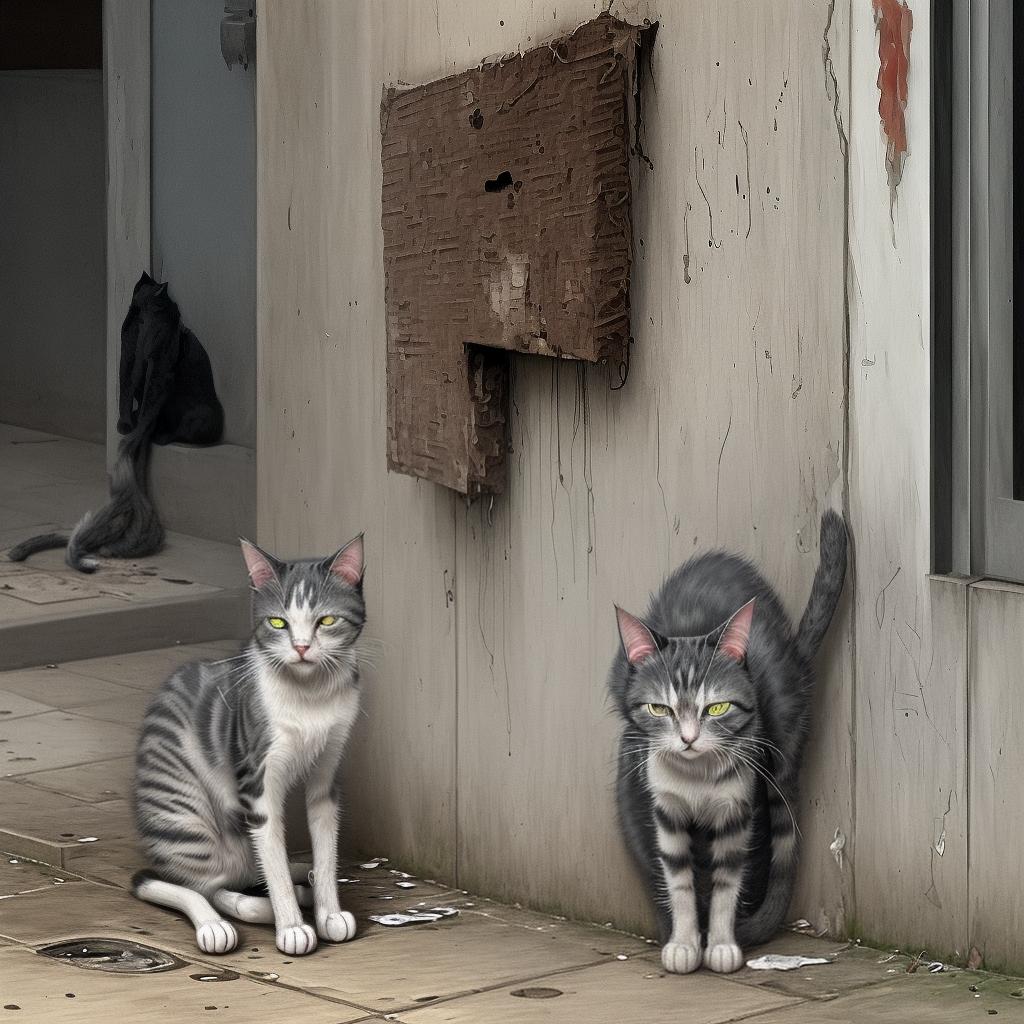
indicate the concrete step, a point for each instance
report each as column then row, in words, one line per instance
column 194, row 590
column 138, row 626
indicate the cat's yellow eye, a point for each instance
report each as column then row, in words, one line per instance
column 277, row 623
column 659, row 710
column 328, row 620
column 715, row 710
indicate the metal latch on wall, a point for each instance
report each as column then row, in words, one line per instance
column 238, row 33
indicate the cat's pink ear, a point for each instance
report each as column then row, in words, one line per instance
column 261, row 566
column 637, row 640
column 737, row 633
column 347, row 564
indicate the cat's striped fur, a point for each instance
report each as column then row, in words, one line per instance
column 222, row 744
column 705, row 800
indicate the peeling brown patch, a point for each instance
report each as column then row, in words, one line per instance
column 894, row 22
column 506, row 201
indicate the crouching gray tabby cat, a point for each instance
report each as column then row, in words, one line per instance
column 222, row 743
column 714, row 690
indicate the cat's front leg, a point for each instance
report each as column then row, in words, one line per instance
column 729, row 851
column 332, row 923
column 293, row 936
column 682, row 953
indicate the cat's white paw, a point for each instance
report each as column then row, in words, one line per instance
column 724, row 957
column 298, row 940
column 680, row 957
column 337, row 927
column 216, row 937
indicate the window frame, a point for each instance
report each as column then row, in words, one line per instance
column 977, row 526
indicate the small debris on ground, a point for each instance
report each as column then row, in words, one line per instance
column 406, row 885
column 779, row 962
column 430, row 916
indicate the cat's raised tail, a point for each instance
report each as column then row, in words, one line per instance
column 827, row 586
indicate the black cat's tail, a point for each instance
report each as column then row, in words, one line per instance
column 127, row 526
column 44, row 542
column 827, row 586
column 768, row 918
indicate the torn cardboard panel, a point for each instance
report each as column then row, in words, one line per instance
column 506, row 217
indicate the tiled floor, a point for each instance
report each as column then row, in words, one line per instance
column 66, row 734
column 48, row 483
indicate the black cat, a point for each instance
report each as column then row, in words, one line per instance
column 166, row 394
column 163, row 363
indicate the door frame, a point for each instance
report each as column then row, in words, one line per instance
column 127, row 112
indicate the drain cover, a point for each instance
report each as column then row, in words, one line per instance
column 118, row 956
column 537, row 993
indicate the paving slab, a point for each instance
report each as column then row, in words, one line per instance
column 611, row 993
column 126, row 710
column 57, row 739
column 59, row 688
column 48, row 992
column 142, row 670
column 851, row 967
column 13, row 705
column 19, row 877
column 381, row 970
column 97, row 782
column 916, row 999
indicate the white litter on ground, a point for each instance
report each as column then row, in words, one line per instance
column 778, row 962
column 414, row 917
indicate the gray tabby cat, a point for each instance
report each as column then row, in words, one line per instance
column 222, row 743
column 715, row 692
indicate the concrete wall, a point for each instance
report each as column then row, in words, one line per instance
column 204, row 196
column 52, row 304
column 487, row 754
column 781, row 365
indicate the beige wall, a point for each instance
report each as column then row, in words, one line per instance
column 487, row 752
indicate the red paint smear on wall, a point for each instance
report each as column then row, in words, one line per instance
column 894, row 22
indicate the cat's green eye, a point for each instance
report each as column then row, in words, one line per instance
column 328, row 620
column 659, row 710
column 715, row 710
column 277, row 623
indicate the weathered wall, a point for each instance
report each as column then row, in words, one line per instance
column 909, row 851
column 487, row 752
column 52, row 349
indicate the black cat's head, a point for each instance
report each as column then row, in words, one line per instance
column 692, row 696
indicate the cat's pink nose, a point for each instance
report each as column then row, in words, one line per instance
column 301, row 649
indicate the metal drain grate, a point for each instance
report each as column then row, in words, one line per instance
column 117, row 956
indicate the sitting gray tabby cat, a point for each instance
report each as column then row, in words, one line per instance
column 715, row 690
column 223, row 742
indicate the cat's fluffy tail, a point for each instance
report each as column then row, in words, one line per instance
column 127, row 526
column 827, row 586
column 43, row 542
column 758, row 927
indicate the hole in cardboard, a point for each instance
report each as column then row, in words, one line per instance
column 500, row 183
column 116, row 956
